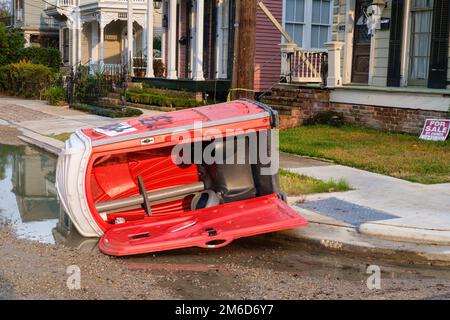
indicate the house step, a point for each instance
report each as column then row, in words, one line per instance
column 281, row 100
column 109, row 102
column 283, row 110
column 115, row 95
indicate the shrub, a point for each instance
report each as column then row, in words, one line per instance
column 25, row 79
column 158, row 68
column 47, row 56
column 4, row 78
column 160, row 100
column 55, row 95
column 11, row 42
column 106, row 112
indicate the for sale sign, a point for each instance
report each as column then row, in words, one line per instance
column 435, row 130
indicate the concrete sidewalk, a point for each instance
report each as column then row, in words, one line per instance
column 36, row 119
column 381, row 212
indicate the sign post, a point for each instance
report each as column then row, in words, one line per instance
column 435, row 130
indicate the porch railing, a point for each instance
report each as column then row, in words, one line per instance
column 304, row 65
column 107, row 69
column 66, row 3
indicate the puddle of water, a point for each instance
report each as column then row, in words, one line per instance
column 28, row 197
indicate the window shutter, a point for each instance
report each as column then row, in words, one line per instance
column 395, row 44
column 439, row 45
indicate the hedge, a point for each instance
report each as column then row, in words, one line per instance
column 25, row 79
column 106, row 112
column 160, row 100
column 47, row 56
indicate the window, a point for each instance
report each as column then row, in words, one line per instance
column 308, row 22
column 320, row 27
column 421, row 28
column 295, row 19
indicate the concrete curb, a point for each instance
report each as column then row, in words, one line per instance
column 329, row 234
column 348, row 241
column 406, row 234
column 50, row 145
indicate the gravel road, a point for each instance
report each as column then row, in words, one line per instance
column 265, row 267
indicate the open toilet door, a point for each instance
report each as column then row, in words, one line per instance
column 213, row 227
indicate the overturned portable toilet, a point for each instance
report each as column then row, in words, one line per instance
column 198, row 177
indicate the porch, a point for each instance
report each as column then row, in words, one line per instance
column 194, row 37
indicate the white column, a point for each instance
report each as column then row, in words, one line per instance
column 287, row 50
column 73, row 45
column 172, row 41
column 102, row 45
column 149, row 34
column 61, row 39
column 130, row 36
column 198, row 52
column 334, row 64
column 94, row 42
column 80, row 30
column 164, row 35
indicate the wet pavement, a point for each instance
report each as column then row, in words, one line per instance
column 38, row 244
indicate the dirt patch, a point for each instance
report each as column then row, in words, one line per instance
column 9, row 135
column 30, row 270
column 254, row 268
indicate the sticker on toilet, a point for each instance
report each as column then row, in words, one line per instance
column 115, row 129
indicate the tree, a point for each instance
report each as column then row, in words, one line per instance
column 4, row 9
column 11, row 42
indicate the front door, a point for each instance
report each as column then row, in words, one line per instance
column 421, row 29
column 361, row 44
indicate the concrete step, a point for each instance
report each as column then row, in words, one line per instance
column 114, row 95
column 282, row 110
column 281, row 100
column 109, row 102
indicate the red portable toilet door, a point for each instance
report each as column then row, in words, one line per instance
column 213, row 227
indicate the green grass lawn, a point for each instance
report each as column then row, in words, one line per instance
column 398, row 155
column 296, row 185
column 61, row 137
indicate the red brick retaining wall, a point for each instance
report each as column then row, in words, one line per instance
column 298, row 104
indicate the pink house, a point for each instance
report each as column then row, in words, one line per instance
column 216, row 59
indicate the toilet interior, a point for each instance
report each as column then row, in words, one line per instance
column 174, row 189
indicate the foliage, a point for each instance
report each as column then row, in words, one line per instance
column 399, row 155
column 330, row 118
column 167, row 92
column 47, row 56
column 25, row 79
column 157, row 43
column 5, row 10
column 107, row 112
column 11, row 42
column 55, row 95
column 162, row 101
column 295, row 184
column 158, row 68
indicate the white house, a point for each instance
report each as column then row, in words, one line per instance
column 95, row 32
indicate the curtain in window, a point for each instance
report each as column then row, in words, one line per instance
column 421, row 45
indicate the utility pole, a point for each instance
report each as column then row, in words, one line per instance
column 244, row 49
